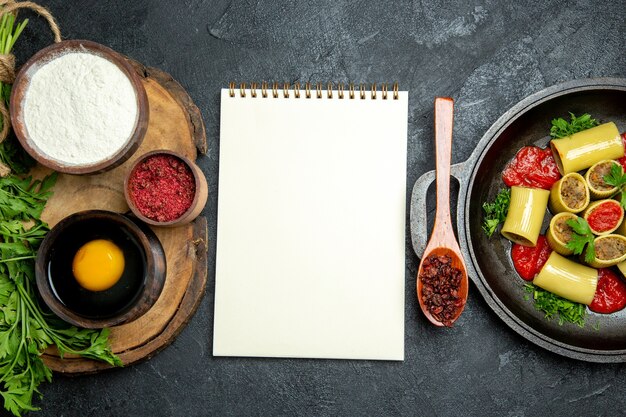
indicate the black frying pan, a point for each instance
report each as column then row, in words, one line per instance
column 603, row 339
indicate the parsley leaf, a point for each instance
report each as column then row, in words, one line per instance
column 562, row 128
column 25, row 328
column 582, row 236
column 495, row 213
column 617, row 178
column 553, row 305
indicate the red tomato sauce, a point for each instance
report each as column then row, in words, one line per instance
column 622, row 160
column 605, row 216
column 528, row 261
column 532, row 167
column 610, row 294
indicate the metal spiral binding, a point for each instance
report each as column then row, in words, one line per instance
column 286, row 87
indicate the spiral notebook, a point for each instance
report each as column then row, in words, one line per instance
column 311, row 222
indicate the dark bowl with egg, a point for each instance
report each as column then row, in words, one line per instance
column 98, row 269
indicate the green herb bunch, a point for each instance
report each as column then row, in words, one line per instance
column 11, row 156
column 562, row 128
column 552, row 306
column 8, row 35
column 25, row 328
column 495, row 213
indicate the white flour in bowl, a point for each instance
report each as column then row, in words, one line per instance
column 79, row 108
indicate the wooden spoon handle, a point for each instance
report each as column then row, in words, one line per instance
column 444, row 117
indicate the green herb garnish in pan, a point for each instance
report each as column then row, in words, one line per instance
column 617, row 178
column 581, row 237
column 554, row 306
column 562, row 128
column 495, row 213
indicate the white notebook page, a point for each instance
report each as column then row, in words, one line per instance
column 311, row 224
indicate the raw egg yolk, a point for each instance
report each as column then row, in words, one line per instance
column 98, row 265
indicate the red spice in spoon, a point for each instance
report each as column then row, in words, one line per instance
column 441, row 283
column 162, row 187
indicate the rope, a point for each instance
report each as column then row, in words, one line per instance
column 10, row 6
column 7, row 61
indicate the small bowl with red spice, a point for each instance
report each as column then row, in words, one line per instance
column 164, row 188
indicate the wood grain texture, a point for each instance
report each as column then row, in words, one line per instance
column 175, row 124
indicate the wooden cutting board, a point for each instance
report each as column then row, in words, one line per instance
column 175, row 124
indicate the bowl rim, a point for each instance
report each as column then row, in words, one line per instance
column 154, row 279
column 20, row 86
column 199, row 182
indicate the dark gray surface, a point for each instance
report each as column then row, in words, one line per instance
column 487, row 56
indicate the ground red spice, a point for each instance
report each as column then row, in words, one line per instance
column 441, row 284
column 162, row 187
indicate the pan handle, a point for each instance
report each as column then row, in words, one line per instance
column 418, row 216
column 418, row 212
column 462, row 172
column 459, row 172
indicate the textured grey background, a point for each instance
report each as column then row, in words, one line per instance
column 487, row 55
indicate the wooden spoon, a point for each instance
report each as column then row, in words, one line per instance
column 442, row 240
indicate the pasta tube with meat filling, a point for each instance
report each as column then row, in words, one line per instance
column 598, row 188
column 583, row 149
column 568, row 279
column 560, row 233
column 610, row 250
column 525, row 216
column 569, row 194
